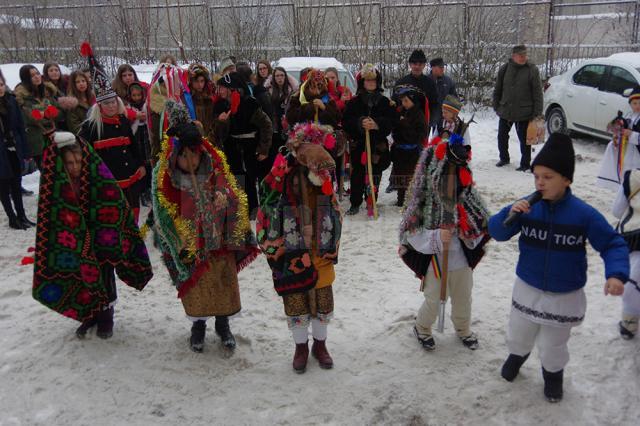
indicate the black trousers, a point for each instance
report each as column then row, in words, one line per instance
column 243, row 162
column 504, row 127
column 11, row 189
column 358, row 173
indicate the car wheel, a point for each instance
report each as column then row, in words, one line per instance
column 556, row 121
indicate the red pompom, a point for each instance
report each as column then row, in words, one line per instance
column 27, row 260
column 327, row 187
column 363, row 158
column 329, row 142
column 465, row 177
column 85, row 49
column 51, row 112
column 36, row 114
column 235, row 102
column 441, row 150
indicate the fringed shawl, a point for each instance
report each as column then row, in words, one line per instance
column 191, row 231
column 279, row 228
column 426, row 207
column 77, row 235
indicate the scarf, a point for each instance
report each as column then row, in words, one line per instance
column 191, row 231
column 76, row 236
column 279, row 227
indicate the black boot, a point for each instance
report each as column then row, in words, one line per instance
column 81, row 332
column 15, row 223
column 511, row 366
column 26, row 222
column 353, row 210
column 105, row 323
column 552, row 385
column 198, row 330
column 223, row 330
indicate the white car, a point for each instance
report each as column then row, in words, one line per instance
column 293, row 66
column 587, row 97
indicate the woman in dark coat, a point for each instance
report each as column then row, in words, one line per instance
column 13, row 151
column 368, row 110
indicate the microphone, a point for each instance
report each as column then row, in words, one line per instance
column 532, row 198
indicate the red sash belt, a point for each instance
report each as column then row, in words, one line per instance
column 111, row 142
column 125, row 183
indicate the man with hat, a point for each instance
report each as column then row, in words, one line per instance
column 517, row 99
column 444, row 85
column 417, row 63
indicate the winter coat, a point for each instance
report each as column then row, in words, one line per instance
column 298, row 113
column 552, row 243
column 35, row 129
column 427, row 86
column 13, row 124
column 76, row 116
column 518, row 92
column 249, row 118
column 116, row 146
column 379, row 108
column 445, row 86
column 408, row 136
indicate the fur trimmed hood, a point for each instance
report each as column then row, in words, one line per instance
column 22, row 93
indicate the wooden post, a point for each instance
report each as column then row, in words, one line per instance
column 370, row 174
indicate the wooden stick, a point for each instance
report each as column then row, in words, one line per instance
column 370, row 174
column 444, row 270
column 305, row 217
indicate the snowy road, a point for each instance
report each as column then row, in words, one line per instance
column 146, row 373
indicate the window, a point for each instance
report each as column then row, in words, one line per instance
column 619, row 80
column 589, row 75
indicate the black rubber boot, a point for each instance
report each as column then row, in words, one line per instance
column 105, row 323
column 552, row 385
column 511, row 366
column 198, row 330
column 224, row 331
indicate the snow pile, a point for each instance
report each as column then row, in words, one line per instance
column 146, row 373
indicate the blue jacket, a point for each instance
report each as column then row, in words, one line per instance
column 17, row 127
column 552, row 243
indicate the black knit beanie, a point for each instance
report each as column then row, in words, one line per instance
column 557, row 154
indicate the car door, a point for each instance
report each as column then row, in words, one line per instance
column 610, row 98
column 581, row 96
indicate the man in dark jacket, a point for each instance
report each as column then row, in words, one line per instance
column 369, row 111
column 444, row 85
column 517, row 98
column 417, row 62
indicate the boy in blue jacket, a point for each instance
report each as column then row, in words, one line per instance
column 548, row 295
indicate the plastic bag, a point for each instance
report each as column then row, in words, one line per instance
column 535, row 131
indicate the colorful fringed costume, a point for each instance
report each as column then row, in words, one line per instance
column 206, row 241
column 298, row 227
column 79, row 236
column 432, row 209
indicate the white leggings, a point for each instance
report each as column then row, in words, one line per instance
column 552, row 341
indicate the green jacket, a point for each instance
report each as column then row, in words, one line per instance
column 76, row 116
column 518, row 92
column 36, row 129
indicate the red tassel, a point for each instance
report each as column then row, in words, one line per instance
column 465, row 177
column 27, row 260
column 36, row 114
column 235, row 102
column 426, row 110
column 463, row 219
column 363, row 158
column 441, row 150
column 327, row 187
column 85, row 49
column 31, row 249
column 435, row 141
column 51, row 112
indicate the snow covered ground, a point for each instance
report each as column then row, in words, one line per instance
column 146, row 373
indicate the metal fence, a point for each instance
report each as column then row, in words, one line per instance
column 474, row 37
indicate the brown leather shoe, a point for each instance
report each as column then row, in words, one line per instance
column 319, row 351
column 300, row 357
